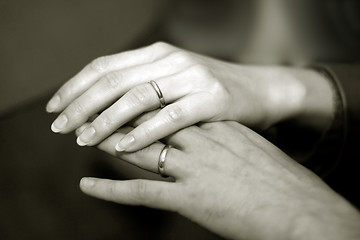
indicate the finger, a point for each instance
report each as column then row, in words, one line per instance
column 103, row 65
column 79, row 130
column 138, row 100
column 169, row 120
column 186, row 139
column 143, row 118
column 173, row 139
column 115, row 84
column 148, row 157
column 154, row 194
column 180, row 139
column 93, row 117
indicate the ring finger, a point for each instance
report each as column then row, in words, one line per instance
column 148, row 158
column 110, row 87
column 140, row 99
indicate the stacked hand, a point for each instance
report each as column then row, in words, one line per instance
column 195, row 89
column 232, row 181
column 227, row 178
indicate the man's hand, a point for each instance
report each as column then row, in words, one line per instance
column 233, row 182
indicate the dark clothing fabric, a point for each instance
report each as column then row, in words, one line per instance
column 331, row 30
column 39, row 171
column 333, row 155
column 346, row 177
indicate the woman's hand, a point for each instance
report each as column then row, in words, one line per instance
column 233, row 182
column 195, row 88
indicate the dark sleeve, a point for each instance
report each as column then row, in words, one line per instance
column 319, row 151
column 348, row 75
column 334, row 153
column 346, row 177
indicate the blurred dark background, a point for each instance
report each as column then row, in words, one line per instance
column 44, row 43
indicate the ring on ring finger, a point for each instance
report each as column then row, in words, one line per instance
column 159, row 93
column 162, row 160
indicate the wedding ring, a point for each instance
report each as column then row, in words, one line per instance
column 159, row 93
column 162, row 159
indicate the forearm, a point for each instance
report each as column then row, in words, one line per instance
column 318, row 106
column 328, row 219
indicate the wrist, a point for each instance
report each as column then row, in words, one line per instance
column 277, row 94
column 302, row 96
column 327, row 220
column 284, row 93
column 316, row 108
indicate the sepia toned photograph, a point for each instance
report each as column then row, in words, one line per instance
column 180, row 119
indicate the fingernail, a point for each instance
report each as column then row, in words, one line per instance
column 59, row 123
column 86, row 136
column 87, row 182
column 53, row 103
column 81, row 129
column 126, row 142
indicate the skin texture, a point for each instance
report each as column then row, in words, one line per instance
column 232, row 181
column 196, row 89
column 226, row 177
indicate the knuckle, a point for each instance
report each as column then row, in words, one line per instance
column 139, row 95
column 144, row 152
column 67, row 90
column 106, row 120
column 174, row 113
column 77, row 107
column 202, row 71
column 110, row 189
column 148, row 132
column 219, row 94
column 139, row 190
column 139, row 155
column 180, row 57
column 100, row 64
column 162, row 46
column 112, row 79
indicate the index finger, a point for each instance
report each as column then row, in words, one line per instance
column 155, row 194
column 167, row 121
column 100, row 66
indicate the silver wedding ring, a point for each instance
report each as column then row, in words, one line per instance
column 159, row 93
column 162, row 159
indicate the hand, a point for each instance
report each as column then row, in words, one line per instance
column 196, row 89
column 233, row 182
